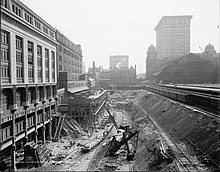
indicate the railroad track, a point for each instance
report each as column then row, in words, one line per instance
column 101, row 149
column 97, row 147
column 204, row 99
column 186, row 163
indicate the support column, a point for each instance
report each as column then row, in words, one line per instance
column 43, row 117
column 1, row 113
column 13, row 150
column 50, row 115
column 26, row 105
column 35, row 114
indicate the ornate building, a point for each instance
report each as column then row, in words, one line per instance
column 151, row 61
column 28, row 78
column 124, row 76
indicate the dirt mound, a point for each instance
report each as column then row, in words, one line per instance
column 193, row 128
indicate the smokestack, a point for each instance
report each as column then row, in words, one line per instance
column 94, row 69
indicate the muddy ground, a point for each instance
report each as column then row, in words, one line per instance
column 189, row 128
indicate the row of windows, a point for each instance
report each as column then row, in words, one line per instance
column 69, row 61
column 27, row 17
column 65, row 51
column 37, row 24
column 5, row 71
column 16, row 10
column 69, row 69
column 19, row 58
column 4, row 37
column 4, row 54
column 66, row 42
column 5, row 133
column 19, row 127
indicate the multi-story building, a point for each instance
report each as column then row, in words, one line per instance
column 69, row 56
column 105, row 78
column 69, row 65
column 151, row 60
column 124, row 76
column 28, row 77
column 118, row 61
column 173, row 36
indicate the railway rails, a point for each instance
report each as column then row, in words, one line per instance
column 185, row 162
column 207, row 99
column 97, row 148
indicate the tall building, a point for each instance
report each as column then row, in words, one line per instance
column 69, row 60
column 69, row 57
column 28, row 78
column 151, row 60
column 173, row 36
column 118, row 61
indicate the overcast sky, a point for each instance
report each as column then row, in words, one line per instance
column 126, row 27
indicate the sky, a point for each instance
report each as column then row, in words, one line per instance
column 126, row 27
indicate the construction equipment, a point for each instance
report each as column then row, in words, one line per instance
column 115, row 145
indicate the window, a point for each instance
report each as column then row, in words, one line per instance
column 46, row 58
column 4, row 3
column 5, row 37
column 30, row 73
column 28, row 18
column 52, row 34
column 60, row 58
column 19, row 72
column 46, row 65
column 39, row 63
column 60, row 47
column 16, row 10
column 30, row 53
column 18, row 43
column 45, row 29
column 60, row 67
column 37, row 24
column 4, row 71
column 4, row 54
column 30, row 121
column 5, row 133
column 30, row 61
column 53, row 65
column 19, row 57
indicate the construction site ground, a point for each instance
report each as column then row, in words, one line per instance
column 66, row 151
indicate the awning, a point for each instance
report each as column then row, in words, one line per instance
column 78, row 89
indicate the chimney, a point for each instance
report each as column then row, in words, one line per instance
column 93, row 69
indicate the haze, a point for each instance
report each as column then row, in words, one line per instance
column 126, row 27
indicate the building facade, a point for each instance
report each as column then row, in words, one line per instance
column 28, row 77
column 69, row 56
column 151, row 60
column 118, row 61
column 173, row 36
column 124, row 76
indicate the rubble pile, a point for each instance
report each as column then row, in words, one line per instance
column 189, row 127
column 148, row 156
column 72, row 128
